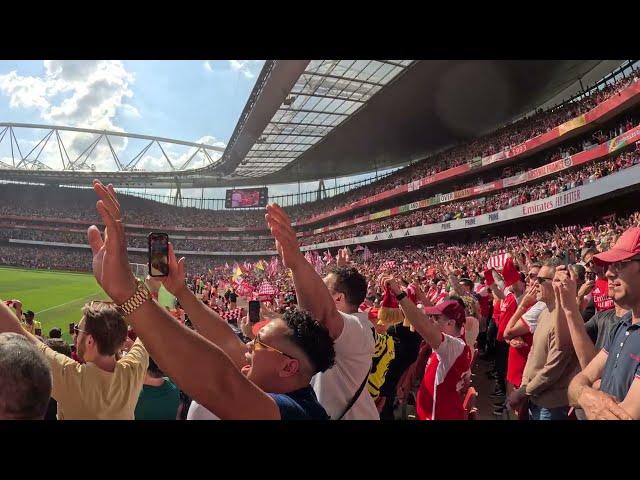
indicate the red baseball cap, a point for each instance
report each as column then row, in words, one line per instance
column 450, row 309
column 627, row 246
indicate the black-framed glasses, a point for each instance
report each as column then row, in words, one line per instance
column 259, row 343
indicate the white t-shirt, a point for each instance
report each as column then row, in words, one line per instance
column 198, row 412
column 531, row 316
column 335, row 387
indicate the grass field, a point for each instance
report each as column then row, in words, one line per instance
column 55, row 297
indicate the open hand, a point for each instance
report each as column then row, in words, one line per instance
column 110, row 260
column 343, row 259
column 286, row 242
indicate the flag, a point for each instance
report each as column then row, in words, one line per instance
column 266, row 292
column 234, row 315
column 359, row 248
column 367, row 253
column 244, row 289
column 226, row 266
column 497, row 261
column 237, row 273
column 259, row 265
column 327, row 257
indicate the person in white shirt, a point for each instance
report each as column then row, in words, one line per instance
column 327, row 302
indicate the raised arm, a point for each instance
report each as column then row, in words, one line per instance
column 421, row 323
column 571, row 325
column 9, row 323
column 516, row 326
column 207, row 322
column 311, row 291
column 199, row 367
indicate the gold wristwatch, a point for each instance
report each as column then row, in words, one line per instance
column 141, row 295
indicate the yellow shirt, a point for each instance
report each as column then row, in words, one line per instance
column 32, row 328
column 85, row 392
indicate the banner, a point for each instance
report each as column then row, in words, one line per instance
column 475, row 162
column 577, row 122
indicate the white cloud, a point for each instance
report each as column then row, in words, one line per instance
column 82, row 93
column 207, row 66
column 249, row 68
column 130, row 110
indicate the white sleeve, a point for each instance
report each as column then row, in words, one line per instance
column 448, row 351
column 354, row 339
column 531, row 316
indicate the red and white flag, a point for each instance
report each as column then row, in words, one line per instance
column 497, row 261
column 266, row 291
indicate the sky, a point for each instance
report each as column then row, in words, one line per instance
column 195, row 101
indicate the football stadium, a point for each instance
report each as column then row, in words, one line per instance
column 373, row 239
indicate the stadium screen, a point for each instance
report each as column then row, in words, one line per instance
column 246, row 198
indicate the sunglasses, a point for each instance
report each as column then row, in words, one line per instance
column 541, row 280
column 76, row 330
column 260, row 345
column 617, row 266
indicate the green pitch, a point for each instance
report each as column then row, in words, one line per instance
column 55, row 297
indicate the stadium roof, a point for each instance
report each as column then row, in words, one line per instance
column 306, row 120
column 326, row 94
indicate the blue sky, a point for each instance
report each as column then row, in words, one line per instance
column 197, row 101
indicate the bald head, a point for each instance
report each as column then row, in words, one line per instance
column 25, row 379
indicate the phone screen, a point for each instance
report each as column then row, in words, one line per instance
column 158, row 254
column 254, row 311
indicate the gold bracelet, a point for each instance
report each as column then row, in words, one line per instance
column 141, row 295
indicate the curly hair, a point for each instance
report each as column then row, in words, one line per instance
column 312, row 338
column 351, row 283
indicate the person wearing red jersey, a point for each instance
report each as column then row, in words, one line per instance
column 520, row 329
column 600, row 300
column 439, row 396
column 512, row 294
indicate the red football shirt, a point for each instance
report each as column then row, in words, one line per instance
column 507, row 309
column 600, row 295
column 439, row 397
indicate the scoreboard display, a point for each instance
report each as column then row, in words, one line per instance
column 247, row 198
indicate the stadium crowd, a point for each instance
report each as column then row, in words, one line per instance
column 366, row 335
column 59, row 203
column 505, row 198
column 441, row 303
column 469, row 208
column 506, row 137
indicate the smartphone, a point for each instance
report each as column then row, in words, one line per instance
column 158, row 254
column 590, row 276
column 254, row 311
column 72, row 328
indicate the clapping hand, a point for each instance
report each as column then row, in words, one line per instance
column 110, row 261
column 343, row 259
column 286, row 242
column 565, row 289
